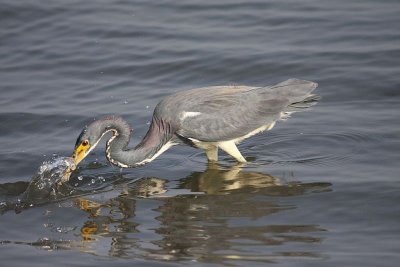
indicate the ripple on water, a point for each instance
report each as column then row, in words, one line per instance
column 314, row 149
column 326, row 149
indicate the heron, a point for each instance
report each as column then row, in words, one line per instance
column 209, row 118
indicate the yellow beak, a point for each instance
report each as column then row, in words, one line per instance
column 80, row 153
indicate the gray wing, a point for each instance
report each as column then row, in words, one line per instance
column 226, row 113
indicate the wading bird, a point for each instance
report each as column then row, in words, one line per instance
column 208, row 118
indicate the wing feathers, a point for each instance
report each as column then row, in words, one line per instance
column 226, row 113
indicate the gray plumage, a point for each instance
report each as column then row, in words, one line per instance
column 208, row 118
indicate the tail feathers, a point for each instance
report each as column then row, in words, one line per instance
column 294, row 90
column 307, row 102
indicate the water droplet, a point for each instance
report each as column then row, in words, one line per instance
column 47, row 212
column 48, row 225
column 93, row 181
column 126, row 102
column 147, row 107
column 80, row 178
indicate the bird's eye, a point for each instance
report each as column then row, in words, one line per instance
column 85, row 143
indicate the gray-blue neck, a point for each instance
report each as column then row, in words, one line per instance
column 117, row 152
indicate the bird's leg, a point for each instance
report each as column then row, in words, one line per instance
column 230, row 148
column 212, row 153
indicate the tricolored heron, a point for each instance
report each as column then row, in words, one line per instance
column 208, row 118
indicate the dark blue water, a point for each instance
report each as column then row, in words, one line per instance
column 322, row 188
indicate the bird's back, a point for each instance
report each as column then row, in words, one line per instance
column 228, row 112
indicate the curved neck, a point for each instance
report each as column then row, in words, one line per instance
column 156, row 141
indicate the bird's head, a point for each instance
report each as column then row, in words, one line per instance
column 91, row 135
column 86, row 142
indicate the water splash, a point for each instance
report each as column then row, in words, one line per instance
column 45, row 185
column 51, row 175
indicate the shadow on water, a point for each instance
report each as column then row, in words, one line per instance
column 197, row 219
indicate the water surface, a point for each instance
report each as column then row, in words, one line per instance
column 321, row 189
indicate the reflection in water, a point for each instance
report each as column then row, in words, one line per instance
column 224, row 218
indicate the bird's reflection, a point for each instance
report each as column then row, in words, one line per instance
column 217, row 181
column 215, row 216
